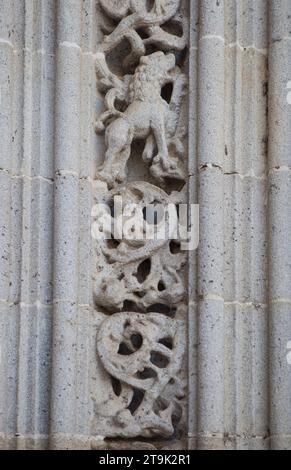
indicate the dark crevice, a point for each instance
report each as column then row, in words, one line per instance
column 167, row 91
column 136, row 400
column 146, row 373
column 129, row 306
column 168, row 342
column 116, row 385
column 159, row 359
column 143, row 270
column 175, row 247
column 162, row 308
column 161, row 286
column 124, row 350
column 173, row 27
column 136, row 341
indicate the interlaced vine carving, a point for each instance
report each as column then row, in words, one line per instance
column 139, row 284
column 143, row 354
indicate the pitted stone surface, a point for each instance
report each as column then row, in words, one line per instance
column 221, row 128
column 145, row 275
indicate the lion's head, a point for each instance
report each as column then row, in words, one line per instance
column 159, row 62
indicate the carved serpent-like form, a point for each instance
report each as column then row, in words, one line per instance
column 134, row 15
column 140, row 284
column 143, row 353
column 160, row 10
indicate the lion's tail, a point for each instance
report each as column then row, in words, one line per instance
column 106, row 116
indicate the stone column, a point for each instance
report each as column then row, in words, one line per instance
column 26, row 171
column 231, row 385
column 279, row 179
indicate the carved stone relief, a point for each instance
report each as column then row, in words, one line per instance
column 143, row 353
column 139, row 284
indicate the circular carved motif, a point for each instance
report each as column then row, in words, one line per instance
column 142, row 350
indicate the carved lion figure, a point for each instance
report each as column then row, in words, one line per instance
column 147, row 116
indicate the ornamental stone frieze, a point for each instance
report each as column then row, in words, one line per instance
column 140, row 283
column 118, row 120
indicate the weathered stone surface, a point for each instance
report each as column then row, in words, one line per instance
column 191, row 102
column 142, row 350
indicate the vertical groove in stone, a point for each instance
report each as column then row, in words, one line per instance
column 246, row 404
column 193, row 199
column 26, row 323
column 11, row 123
column 87, row 158
column 36, row 270
column 210, row 264
column 232, row 289
column 66, row 220
column 71, row 407
column 280, row 222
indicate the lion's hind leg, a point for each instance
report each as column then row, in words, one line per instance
column 118, row 139
column 160, row 135
column 149, row 148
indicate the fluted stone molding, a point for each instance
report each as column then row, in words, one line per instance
column 238, row 318
column 279, row 220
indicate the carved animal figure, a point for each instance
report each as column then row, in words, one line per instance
column 147, row 116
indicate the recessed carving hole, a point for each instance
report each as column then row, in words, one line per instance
column 175, row 247
column 160, row 405
column 116, row 57
column 150, row 5
column 139, row 294
column 111, row 207
column 181, row 57
column 151, row 48
column 136, row 400
column 161, row 286
column 116, row 385
column 137, row 168
column 176, row 416
column 112, row 243
column 168, row 342
column 162, row 308
column 120, row 105
column 143, row 270
column 129, row 305
column 121, row 276
column 142, row 33
column 124, row 350
column 173, row 184
column 173, row 27
column 159, row 359
column 167, row 91
column 146, row 373
column 136, row 341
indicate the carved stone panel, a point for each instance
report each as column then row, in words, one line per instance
column 140, row 282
